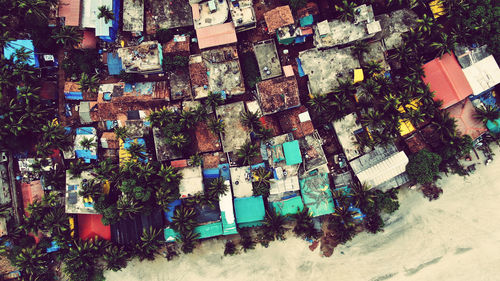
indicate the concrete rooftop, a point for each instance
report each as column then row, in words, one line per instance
column 133, row 15
column 235, row 134
column 144, row 58
column 278, row 94
column 394, row 25
column 224, row 70
column 203, row 16
column 168, row 14
column 243, row 15
column 267, row 59
column 341, row 33
column 345, row 129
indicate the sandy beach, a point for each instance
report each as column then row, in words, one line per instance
column 456, row 237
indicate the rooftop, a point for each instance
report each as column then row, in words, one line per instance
column 296, row 121
column 480, row 69
column 180, row 88
column 206, row 140
column 31, row 192
column 144, row 58
column 224, row 70
column 447, row 80
column 235, row 134
column 163, row 152
column 289, row 206
column 90, row 225
column 317, row 195
column 167, row 15
column 325, row 67
column 199, row 77
column 278, row 17
column 70, row 11
column 76, row 204
column 393, row 25
column 345, row 130
column 178, row 45
column 267, row 59
column 243, row 14
column 339, row 33
column 249, row 211
column 342, row 179
column 191, row 182
column 312, row 151
column 209, row 13
column 133, row 15
column 376, row 53
column 241, row 181
column 283, row 183
column 278, row 94
column 467, row 124
column 216, row 35
column 415, row 143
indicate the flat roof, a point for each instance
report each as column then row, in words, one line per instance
column 90, row 225
column 447, row 80
column 199, row 77
column 180, row 86
column 216, row 35
column 144, row 58
column 289, row 206
column 206, row 140
column 339, row 33
column 292, row 153
column 209, row 230
column 249, row 211
column 317, row 195
column 278, row 94
column 76, row 204
column 296, row 121
column 191, row 182
column 393, row 25
column 345, row 129
column 133, row 15
column 163, row 151
column 278, row 17
column 224, row 70
column 241, row 181
column 325, row 67
column 204, row 16
column 70, row 11
column 167, row 15
column 384, row 171
column 243, row 14
column 312, row 151
column 267, row 59
column 483, row 75
column 283, row 184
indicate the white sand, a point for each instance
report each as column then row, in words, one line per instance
column 456, row 237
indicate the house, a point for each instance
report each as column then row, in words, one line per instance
column 346, row 130
column 179, row 45
column 206, row 140
column 288, row 206
column 130, row 230
column 31, row 191
column 296, row 121
column 337, row 32
column 10, row 49
column 167, row 15
column 145, row 58
column 106, row 31
column 199, row 77
column 180, row 87
column 235, row 135
column 382, row 168
column 315, row 190
column 447, row 80
column 209, row 13
column 463, row 112
column 241, row 181
column 278, row 94
column 163, row 151
column 90, row 226
column 226, row 210
column 249, row 211
column 312, row 151
column 133, row 16
column 393, row 26
column 292, row 34
column 278, row 17
column 74, row 202
column 69, row 11
column 267, row 59
column 325, row 67
column 216, row 35
column 191, row 182
column 480, row 68
column 243, row 15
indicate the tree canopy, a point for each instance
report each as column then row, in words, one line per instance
column 423, row 166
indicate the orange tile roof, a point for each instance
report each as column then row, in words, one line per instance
column 278, row 94
column 278, row 17
column 463, row 113
column 447, row 79
column 290, row 122
column 179, row 163
column 216, row 35
column 31, row 191
column 70, row 11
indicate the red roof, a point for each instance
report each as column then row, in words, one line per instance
column 89, row 40
column 216, row 35
column 31, row 192
column 91, row 225
column 179, row 163
column 70, row 11
column 463, row 113
column 290, row 122
column 447, row 79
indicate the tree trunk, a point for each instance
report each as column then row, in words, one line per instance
column 61, row 82
column 13, row 189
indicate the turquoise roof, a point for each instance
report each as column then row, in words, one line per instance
column 289, row 206
column 317, row 195
column 9, row 51
column 227, row 228
column 209, row 230
column 494, row 127
column 307, row 20
column 249, row 210
column 170, row 234
column 292, row 152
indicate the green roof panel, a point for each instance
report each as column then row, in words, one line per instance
column 292, row 152
column 317, row 195
column 249, row 210
column 289, row 206
column 209, row 230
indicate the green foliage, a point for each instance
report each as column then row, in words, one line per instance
column 304, row 226
column 247, row 243
column 247, row 152
column 188, row 240
column 149, row 244
column 423, row 166
column 184, row 219
column 274, row 226
column 346, row 10
column 373, row 223
column 81, row 61
column 294, row 4
column 89, row 83
column 67, row 37
column 115, row 257
column 172, row 128
column 263, row 184
column 216, row 126
column 105, row 13
column 250, row 69
column 342, row 224
column 217, row 188
column 171, row 63
column 196, row 160
column 229, row 248
column 81, row 260
column 488, row 113
column 121, row 133
column 164, row 35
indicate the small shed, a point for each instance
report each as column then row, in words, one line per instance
column 292, row 152
column 90, row 226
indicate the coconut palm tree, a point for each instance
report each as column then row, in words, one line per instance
column 274, row 225
column 342, row 223
column 370, row 90
column 229, row 248
column 401, row 53
column 217, row 188
column 373, row 67
column 372, row 119
column 169, row 174
column 346, row 10
column 487, row 113
column 262, row 185
column 55, row 135
column 359, row 48
column 264, row 133
column 88, row 143
column 426, row 24
column 345, row 87
column 445, row 44
column 128, row 208
column 184, row 219
column 105, row 13
column 166, row 194
column 178, row 141
column 149, row 244
column 137, row 151
column 319, row 103
column 250, row 120
column 56, row 222
column 33, row 262
column 67, row 36
column 115, row 257
column 214, row 100
column 188, row 240
column 362, row 195
column 216, row 126
column 247, row 152
column 445, row 126
column 246, row 242
column 121, row 133
column 304, row 224
column 76, row 168
column 89, row 83
column 196, row 160
column 415, row 115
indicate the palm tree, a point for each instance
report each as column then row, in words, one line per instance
column 188, row 240
column 229, row 248
column 149, row 244
column 488, row 113
column 169, row 174
column 414, row 38
column 250, row 120
column 137, row 151
column 274, row 225
column 401, row 53
column 359, row 48
column 196, row 160
column 373, row 67
column 371, row 89
column 415, row 116
column 246, row 242
column 128, row 208
column 89, row 83
column 165, row 195
column 214, row 100
column 342, row 223
column 184, row 219
column 445, row 126
column 304, row 224
column 445, row 44
column 345, row 87
column 319, row 103
column 261, row 187
column 33, row 262
column 106, row 13
column 264, row 133
column 372, row 119
column 247, row 152
column 67, row 36
column 362, row 195
column 216, row 126
column 346, row 10
column 121, row 133
column 178, row 141
column 88, row 143
column 115, row 257
column 426, row 24
column 55, row 135
column 217, row 188
column 76, row 168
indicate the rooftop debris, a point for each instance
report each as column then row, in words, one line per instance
column 144, row 58
column 278, row 17
column 278, row 94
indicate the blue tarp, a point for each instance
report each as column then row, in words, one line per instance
column 53, row 247
column 85, row 131
column 494, row 127
column 171, row 209
column 300, row 39
column 256, row 166
column 140, row 141
column 307, row 20
column 486, row 98
column 11, row 47
column 211, row 173
column 114, row 64
column 299, row 67
column 86, row 154
column 224, row 171
column 73, row 95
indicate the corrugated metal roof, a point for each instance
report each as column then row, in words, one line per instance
column 483, row 75
column 101, row 27
column 216, row 35
column 385, row 170
column 209, row 230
